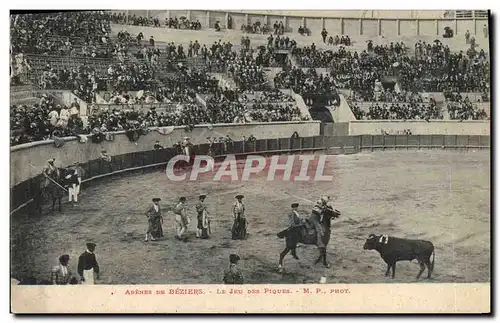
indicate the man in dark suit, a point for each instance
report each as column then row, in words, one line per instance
column 155, row 221
column 88, row 266
column 233, row 274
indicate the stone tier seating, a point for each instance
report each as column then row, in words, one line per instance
column 209, row 36
column 23, row 94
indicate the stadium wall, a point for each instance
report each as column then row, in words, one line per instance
column 28, row 160
column 399, row 25
column 141, row 161
column 434, row 127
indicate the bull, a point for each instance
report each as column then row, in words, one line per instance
column 393, row 249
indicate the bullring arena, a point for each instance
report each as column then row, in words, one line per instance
column 431, row 195
column 416, row 177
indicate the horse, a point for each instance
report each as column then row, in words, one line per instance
column 51, row 188
column 306, row 234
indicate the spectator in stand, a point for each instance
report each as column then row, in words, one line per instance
column 258, row 28
column 304, row 31
column 279, row 29
column 324, row 34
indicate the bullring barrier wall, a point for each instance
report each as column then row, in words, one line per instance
column 434, row 127
column 387, row 27
column 28, row 160
column 140, row 161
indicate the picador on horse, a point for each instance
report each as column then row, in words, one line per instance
column 314, row 230
column 51, row 187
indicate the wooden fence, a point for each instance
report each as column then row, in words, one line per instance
column 22, row 194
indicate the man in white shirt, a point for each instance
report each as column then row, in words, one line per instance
column 74, row 111
column 64, row 113
column 53, row 117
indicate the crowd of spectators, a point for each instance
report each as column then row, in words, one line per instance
column 170, row 93
column 281, row 42
column 53, row 33
column 137, row 20
column 246, row 73
column 44, row 120
column 308, row 84
column 387, row 95
column 267, row 112
column 82, row 81
column 257, row 28
column 271, row 96
column 304, row 31
column 182, row 23
column 433, row 68
column 346, row 41
column 460, row 108
column 398, row 111
column 309, row 56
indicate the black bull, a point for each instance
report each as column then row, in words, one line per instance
column 306, row 234
column 393, row 249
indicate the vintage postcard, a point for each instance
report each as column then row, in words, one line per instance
column 246, row 161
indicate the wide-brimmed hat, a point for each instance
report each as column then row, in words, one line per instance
column 239, row 197
column 156, row 199
column 203, row 196
column 64, row 258
column 295, row 204
column 234, row 258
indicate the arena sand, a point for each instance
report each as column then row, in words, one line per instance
column 441, row 196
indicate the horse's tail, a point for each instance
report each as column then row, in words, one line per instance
column 433, row 256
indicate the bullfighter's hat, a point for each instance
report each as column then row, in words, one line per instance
column 239, row 197
column 295, row 204
column 156, row 199
column 233, row 258
column 202, row 196
column 64, row 258
column 51, row 160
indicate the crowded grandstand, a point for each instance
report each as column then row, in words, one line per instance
column 122, row 81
